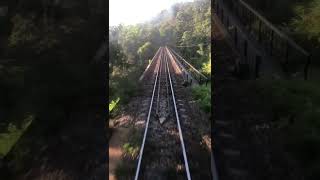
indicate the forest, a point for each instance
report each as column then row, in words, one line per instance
column 185, row 27
column 47, row 74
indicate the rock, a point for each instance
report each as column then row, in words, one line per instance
column 162, row 119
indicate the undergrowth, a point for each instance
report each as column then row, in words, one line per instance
column 12, row 135
column 296, row 105
column 131, row 149
column 202, row 94
column 123, row 86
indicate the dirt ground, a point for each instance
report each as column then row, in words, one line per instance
column 119, row 137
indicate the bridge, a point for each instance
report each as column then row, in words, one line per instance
column 263, row 49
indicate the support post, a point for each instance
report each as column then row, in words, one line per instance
column 217, row 11
column 251, row 18
column 257, row 68
column 306, row 68
column 222, row 16
column 228, row 23
column 235, row 36
column 260, row 31
column 245, row 48
column 271, row 42
column 287, row 53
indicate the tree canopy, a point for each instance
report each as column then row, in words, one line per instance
column 185, row 27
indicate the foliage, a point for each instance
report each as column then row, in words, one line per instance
column 296, row 107
column 125, row 170
column 202, row 94
column 131, row 151
column 30, row 37
column 131, row 47
column 298, row 18
column 113, row 104
column 26, row 35
column 24, row 30
column 144, row 51
column 206, row 67
column 45, row 77
column 9, row 138
column 306, row 23
column 123, row 83
column 184, row 24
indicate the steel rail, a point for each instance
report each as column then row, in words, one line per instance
column 158, row 96
column 147, row 123
column 214, row 171
column 178, row 121
column 163, row 59
column 213, row 167
column 167, row 88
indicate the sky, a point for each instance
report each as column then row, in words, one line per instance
column 137, row 11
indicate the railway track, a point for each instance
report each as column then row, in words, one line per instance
column 163, row 153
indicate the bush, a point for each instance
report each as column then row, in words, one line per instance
column 202, row 94
column 131, row 149
column 8, row 139
column 125, row 170
column 296, row 105
column 24, row 30
column 206, row 68
column 123, row 83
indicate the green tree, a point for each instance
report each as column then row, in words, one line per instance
column 145, row 51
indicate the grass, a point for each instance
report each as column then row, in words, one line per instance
column 132, row 147
column 202, row 94
column 8, row 139
column 131, row 150
column 123, row 82
column 123, row 86
column 296, row 105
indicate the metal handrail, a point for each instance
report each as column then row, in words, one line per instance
column 193, row 68
column 276, row 42
column 272, row 27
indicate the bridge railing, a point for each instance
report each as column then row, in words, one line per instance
column 197, row 75
column 275, row 43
